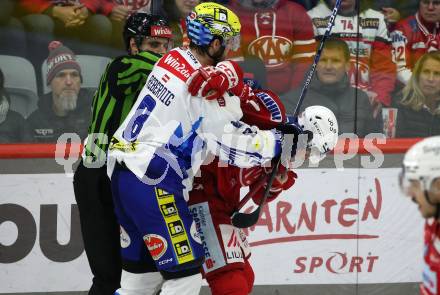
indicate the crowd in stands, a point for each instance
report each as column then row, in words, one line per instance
column 379, row 70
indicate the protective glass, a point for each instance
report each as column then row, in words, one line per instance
column 233, row 42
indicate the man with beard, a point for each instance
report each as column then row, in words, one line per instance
column 66, row 109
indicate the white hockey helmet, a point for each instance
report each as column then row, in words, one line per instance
column 321, row 122
column 421, row 163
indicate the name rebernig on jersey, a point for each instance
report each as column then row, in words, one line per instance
column 160, row 91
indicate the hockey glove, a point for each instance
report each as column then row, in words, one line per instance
column 254, row 84
column 284, row 180
column 212, row 82
column 290, row 127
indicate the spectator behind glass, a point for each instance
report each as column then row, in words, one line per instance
column 404, row 8
column 12, row 30
column 280, row 33
column 76, row 23
column 13, row 127
column 414, row 36
column 419, row 110
column 66, row 109
column 372, row 67
column 331, row 88
column 177, row 11
column 121, row 10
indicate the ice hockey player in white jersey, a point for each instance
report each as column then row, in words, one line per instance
column 161, row 145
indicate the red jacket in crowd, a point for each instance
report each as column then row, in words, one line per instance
column 412, row 38
column 281, row 36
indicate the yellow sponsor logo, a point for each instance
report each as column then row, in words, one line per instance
column 128, row 147
column 176, row 229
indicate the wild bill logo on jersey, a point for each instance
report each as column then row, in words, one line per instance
column 128, row 147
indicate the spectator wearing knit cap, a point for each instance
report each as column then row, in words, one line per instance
column 66, row 108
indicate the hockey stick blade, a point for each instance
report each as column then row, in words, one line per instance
column 243, row 220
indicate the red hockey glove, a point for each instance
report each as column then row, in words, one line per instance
column 284, row 180
column 212, row 82
column 243, row 91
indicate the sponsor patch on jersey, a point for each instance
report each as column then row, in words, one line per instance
column 165, row 261
column 125, row 238
column 126, row 147
column 157, row 245
column 161, row 31
column 161, row 193
column 369, row 23
column 177, row 65
column 204, row 226
column 176, row 229
column 195, row 234
column 273, row 50
column 221, row 101
column 271, row 105
column 182, row 249
column 320, row 22
column 168, row 209
column 231, row 243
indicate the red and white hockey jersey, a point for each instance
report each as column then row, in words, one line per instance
column 371, row 46
column 431, row 259
column 282, row 37
column 216, row 194
column 412, row 38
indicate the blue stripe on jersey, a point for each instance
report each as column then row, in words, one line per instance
column 184, row 148
column 233, row 154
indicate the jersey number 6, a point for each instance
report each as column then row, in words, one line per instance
column 139, row 118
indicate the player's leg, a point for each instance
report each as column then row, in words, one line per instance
column 139, row 273
column 99, row 228
column 232, row 282
column 226, row 268
column 163, row 220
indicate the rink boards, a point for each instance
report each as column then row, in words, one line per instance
column 333, row 227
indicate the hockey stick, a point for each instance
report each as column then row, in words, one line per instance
column 241, row 219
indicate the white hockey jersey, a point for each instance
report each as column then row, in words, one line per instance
column 168, row 122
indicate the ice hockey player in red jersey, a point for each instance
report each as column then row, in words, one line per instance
column 420, row 180
column 215, row 196
column 216, row 193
